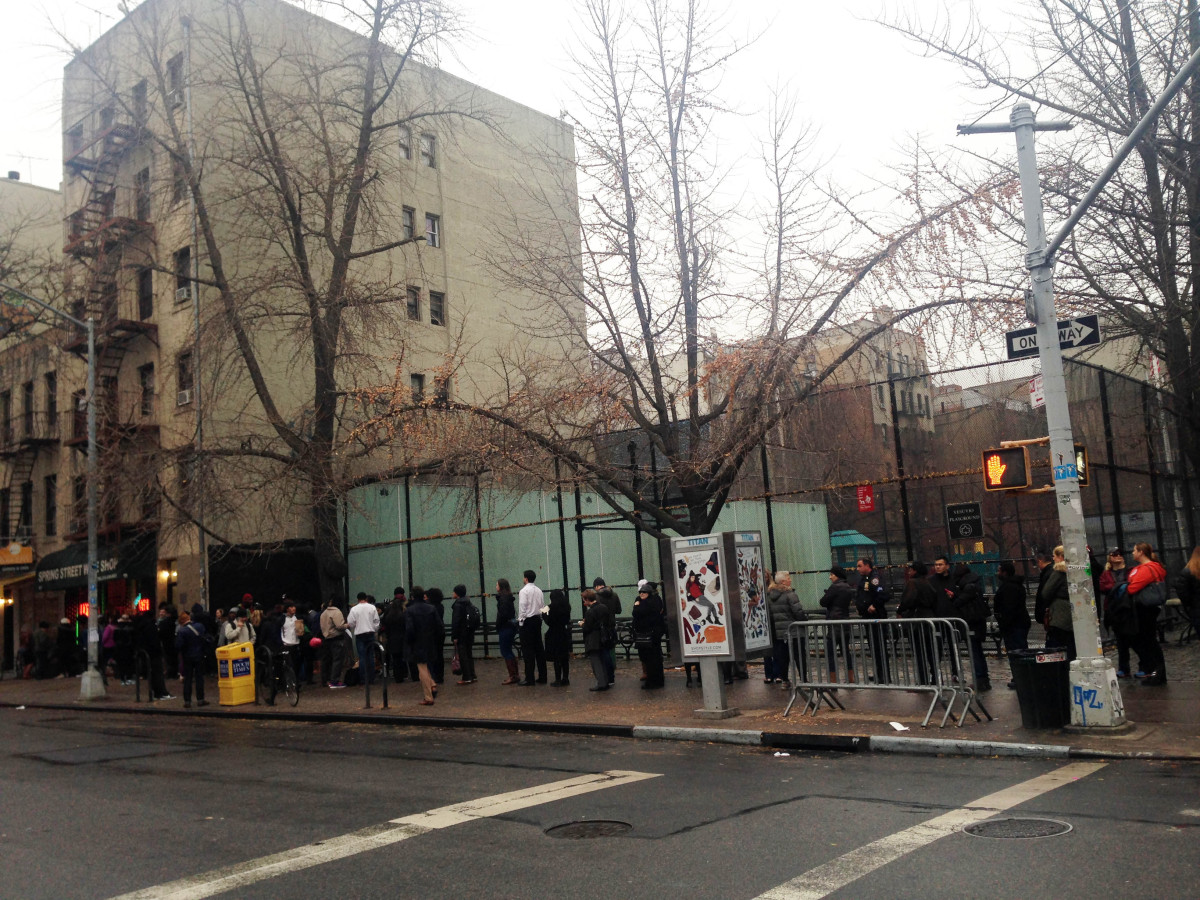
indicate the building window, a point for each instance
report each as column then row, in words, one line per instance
column 52, row 399
column 414, row 304
column 179, row 185
column 405, row 142
column 74, row 142
column 107, row 117
column 141, row 195
column 185, row 378
column 25, row 525
column 27, row 407
column 146, row 388
column 5, row 515
column 417, row 384
column 433, row 235
column 145, row 293
column 6, row 425
column 408, row 218
column 183, row 275
column 150, row 502
column 441, row 390
column 139, row 104
column 79, row 504
column 175, row 96
column 428, row 151
column 437, row 308
column 51, row 518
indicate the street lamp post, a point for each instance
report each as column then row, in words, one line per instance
column 91, row 684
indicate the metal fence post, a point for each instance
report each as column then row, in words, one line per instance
column 908, row 541
column 482, row 575
column 1147, row 421
column 766, row 482
column 1114, row 487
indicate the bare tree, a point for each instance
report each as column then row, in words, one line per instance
column 1132, row 257
column 674, row 338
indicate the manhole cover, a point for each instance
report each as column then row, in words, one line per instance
column 1018, row 828
column 598, row 828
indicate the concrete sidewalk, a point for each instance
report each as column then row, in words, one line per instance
column 1166, row 719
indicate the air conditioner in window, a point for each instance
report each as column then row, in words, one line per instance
column 175, row 98
column 183, row 294
column 183, row 398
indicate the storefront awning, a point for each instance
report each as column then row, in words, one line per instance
column 136, row 557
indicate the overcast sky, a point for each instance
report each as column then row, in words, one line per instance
column 861, row 86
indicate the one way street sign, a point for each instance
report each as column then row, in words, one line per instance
column 1082, row 331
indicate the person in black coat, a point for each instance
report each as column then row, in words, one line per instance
column 919, row 602
column 506, row 628
column 649, row 626
column 944, row 585
column 558, row 638
column 609, row 597
column 972, row 608
column 870, row 599
column 1012, row 611
column 65, row 647
column 598, row 622
column 393, row 630
column 424, row 632
column 146, row 636
column 437, row 666
column 463, row 634
column 836, row 601
column 1045, row 562
column 189, row 641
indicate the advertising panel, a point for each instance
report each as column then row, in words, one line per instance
column 756, row 617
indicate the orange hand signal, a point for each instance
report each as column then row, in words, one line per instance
column 995, row 469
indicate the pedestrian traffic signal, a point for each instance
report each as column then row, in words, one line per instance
column 1081, row 464
column 1006, row 469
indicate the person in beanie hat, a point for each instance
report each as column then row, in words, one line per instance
column 649, row 625
column 837, row 599
column 462, row 632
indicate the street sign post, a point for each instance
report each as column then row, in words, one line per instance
column 1081, row 331
column 964, row 520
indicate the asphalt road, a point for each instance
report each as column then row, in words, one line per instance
column 101, row 805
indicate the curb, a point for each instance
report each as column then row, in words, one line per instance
column 814, row 743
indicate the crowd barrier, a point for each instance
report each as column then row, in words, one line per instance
column 916, row 655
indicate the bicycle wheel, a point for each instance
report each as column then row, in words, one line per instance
column 289, row 686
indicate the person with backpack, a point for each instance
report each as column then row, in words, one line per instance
column 558, row 638
column 189, row 641
column 1147, row 584
column 1120, row 618
column 971, row 607
column 609, row 597
column 464, row 621
column 1060, row 631
column 1012, row 611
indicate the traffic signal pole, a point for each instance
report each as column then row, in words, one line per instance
column 1095, row 694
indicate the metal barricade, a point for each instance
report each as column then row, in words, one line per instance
column 915, row 655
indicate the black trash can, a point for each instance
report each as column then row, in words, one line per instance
column 1043, row 681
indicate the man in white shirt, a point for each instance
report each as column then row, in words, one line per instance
column 529, row 621
column 364, row 624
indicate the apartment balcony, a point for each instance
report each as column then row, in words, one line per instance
column 108, row 139
column 109, row 218
column 28, row 432
column 128, row 415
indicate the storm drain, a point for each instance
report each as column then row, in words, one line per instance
column 1018, row 828
column 596, row 828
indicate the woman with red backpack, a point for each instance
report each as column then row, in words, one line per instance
column 1147, row 583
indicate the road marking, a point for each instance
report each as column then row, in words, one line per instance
column 239, row 875
column 836, row 874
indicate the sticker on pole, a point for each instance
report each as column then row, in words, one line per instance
column 1051, row 656
column 1067, row 470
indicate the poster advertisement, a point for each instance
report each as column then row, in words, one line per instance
column 700, row 596
column 756, row 617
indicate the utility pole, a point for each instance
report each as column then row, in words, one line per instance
column 1095, row 696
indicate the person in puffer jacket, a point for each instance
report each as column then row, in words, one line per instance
column 785, row 609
